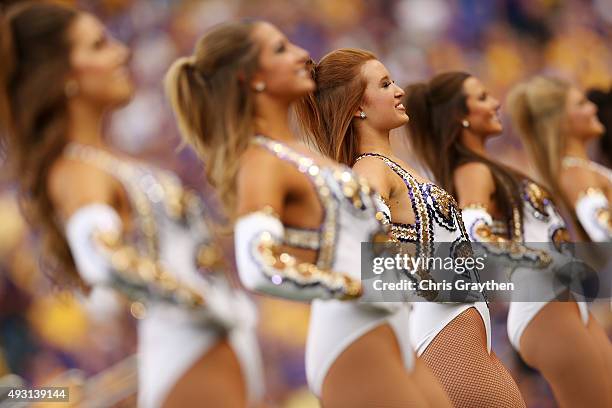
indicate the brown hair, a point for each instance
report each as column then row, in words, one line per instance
column 213, row 103
column 327, row 113
column 537, row 108
column 35, row 52
column 436, row 109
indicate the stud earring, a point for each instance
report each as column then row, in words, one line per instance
column 465, row 123
column 362, row 115
column 71, row 88
column 260, row 86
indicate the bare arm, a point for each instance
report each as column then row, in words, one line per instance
column 263, row 184
column 475, row 186
column 86, row 200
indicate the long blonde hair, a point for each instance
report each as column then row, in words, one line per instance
column 213, row 104
column 537, row 108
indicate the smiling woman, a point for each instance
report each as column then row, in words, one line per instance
column 505, row 211
column 350, row 117
column 111, row 221
column 556, row 123
column 300, row 218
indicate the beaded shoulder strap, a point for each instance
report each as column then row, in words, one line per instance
column 570, row 161
column 308, row 167
column 126, row 174
column 397, row 169
column 146, row 187
column 419, row 204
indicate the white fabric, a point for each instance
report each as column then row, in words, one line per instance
column 92, row 265
column 521, row 314
column 586, row 211
column 334, row 325
column 383, row 208
column 474, row 217
column 171, row 339
column 254, row 273
column 429, row 318
column 530, row 282
column 471, row 216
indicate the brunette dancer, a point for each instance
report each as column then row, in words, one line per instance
column 452, row 116
column 108, row 220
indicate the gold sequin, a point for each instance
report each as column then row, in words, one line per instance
column 280, row 266
column 144, row 185
column 536, row 196
column 134, row 268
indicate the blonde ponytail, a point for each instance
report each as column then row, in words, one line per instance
column 213, row 104
column 537, row 109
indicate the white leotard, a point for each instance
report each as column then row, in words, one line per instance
column 169, row 231
column 349, row 220
column 437, row 220
column 543, row 227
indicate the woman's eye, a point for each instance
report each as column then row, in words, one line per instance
column 386, row 84
column 483, row 97
column 100, row 43
column 281, row 48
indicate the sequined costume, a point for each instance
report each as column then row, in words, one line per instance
column 169, row 267
column 593, row 209
column 453, row 339
column 437, row 220
column 533, row 244
column 333, row 282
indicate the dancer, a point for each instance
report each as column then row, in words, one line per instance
column 299, row 217
column 108, row 220
column 350, row 116
column 452, row 116
column 556, row 122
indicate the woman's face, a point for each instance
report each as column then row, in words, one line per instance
column 282, row 65
column 581, row 115
column 99, row 64
column 483, row 109
column 382, row 98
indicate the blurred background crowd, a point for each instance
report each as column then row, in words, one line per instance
column 46, row 332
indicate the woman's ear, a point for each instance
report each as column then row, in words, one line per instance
column 359, row 113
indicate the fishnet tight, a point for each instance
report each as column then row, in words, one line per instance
column 471, row 376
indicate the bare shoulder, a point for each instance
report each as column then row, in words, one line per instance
column 575, row 180
column 377, row 173
column 474, row 183
column 262, row 180
column 259, row 167
column 73, row 184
